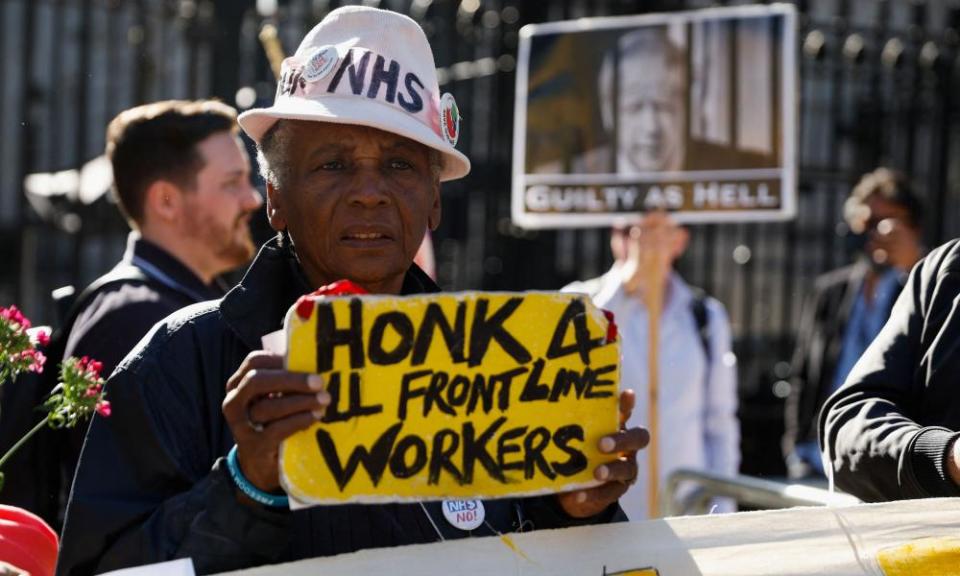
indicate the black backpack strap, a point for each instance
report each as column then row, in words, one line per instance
column 119, row 275
column 698, row 307
column 58, row 340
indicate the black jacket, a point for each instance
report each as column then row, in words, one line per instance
column 116, row 317
column 817, row 351
column 105, row 322
column 886, row 431
column 152, row 484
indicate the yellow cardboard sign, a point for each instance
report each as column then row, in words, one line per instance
column 451, row 396
column 940, row 556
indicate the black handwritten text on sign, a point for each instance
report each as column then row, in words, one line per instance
column 451, row 395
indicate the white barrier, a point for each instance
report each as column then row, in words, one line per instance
column 799, row 541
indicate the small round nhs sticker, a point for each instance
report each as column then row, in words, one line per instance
column 464, row 514
column 320, row 63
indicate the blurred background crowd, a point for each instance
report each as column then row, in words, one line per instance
column 879, row 85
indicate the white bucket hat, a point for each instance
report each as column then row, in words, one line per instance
column 367, row 67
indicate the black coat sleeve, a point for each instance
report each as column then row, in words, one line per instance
column 151, row 485
column 801, row 382
column 871, row 429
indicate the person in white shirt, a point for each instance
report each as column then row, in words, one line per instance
column 698, row 426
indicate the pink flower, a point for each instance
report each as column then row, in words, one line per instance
column 79, row 394
column 36, row 359
column 103, row 408
column 43, row 338
column 14, row 315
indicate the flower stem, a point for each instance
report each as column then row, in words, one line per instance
column 23, row 441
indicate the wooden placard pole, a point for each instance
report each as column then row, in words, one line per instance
column 653, row 298
column 270, row 40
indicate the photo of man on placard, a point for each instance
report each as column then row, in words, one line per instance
column 642, row 91
column 667, row 101
column 693, row 114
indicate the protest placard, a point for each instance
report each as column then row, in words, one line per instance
column 451, row 396
column 689, row 112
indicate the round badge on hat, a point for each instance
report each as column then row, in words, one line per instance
column 464, row 514
column 320, row 63
column 449, row 119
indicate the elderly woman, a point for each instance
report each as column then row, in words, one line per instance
column 353, row 151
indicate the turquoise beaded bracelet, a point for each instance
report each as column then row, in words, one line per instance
column 255, row 494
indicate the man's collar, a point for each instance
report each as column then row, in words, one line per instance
column 164, row 268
